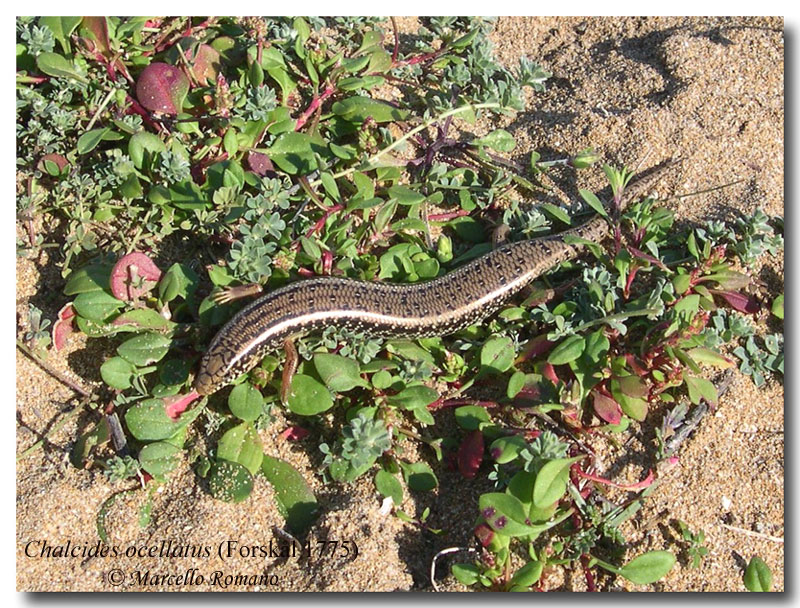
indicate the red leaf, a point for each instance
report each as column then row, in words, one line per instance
column 739, row 301
column 549, row 372
column 294, row 433
column 259, row 163
column 484, row 534
column 206, row 64
column 470, row 454
column 635, row 365
column 162, row 88
column 177, row 404
column 67, row 311
column 98, row 26
column 538, row 346
column 128, row 273
column 605, row 407
column 61, row 331
column 647, row 257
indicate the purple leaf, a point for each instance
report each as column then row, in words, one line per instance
column 128, row 272
column 739, row 301
column 470, row 454
column 162, row 88
column 259, row 163
column 647, row 257
column 606, row 408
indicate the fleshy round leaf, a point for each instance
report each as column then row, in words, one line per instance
column 229, row 481
column 296, row 502
column 308, row 397
column 246, row 402
column 648, row 568
column 144, row 349
column 159, row 458
column 340, row 374
column 162, row 88
column 497, row 354
column 241, row 444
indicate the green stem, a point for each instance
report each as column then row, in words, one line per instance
column 618, row 317
column 100, row 109
column 431, row 121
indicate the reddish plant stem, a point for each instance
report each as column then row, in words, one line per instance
column 138, row 109
column 418, row 58
column 321, row 221
column 396, row 40
column 443, row 217
column 441, row 403
column 590, row 584
column 312, row 107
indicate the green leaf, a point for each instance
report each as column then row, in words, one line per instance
column 419, row 476
column 466, row 574
column 144, row 147
column 499, row 139
column 556, row 213
column 229, row 481
column 414, row 397
column 144, row 349
column 230, row 142
column 62, row 28
column 89, row 278
column 504, row 513
column 295, row 500
column 57, row 66
column 410, row 350
column 634, row 407
column 594, row 202
column 700, row 388
column 551, row 481
column 709, row 357
column 159, row 458
column 340, row 374
column 241, row 444
column 294, row 153
column 470, row 417
column 96, row 305
column 648, row 567
column 528, row 574
column 568, row 350
column 246, row 402
column 89, row 140
column 388, row 485
column 497, row 354
column 758, row 576
column 405, row 195
column 144, row 318
column 358, row 109
column 777, row 307
column 148, row 421
column 515, row 384
column 308, row 397
column 117, row 373
column 506, row 449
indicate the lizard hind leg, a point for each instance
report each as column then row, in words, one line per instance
column 289, row 368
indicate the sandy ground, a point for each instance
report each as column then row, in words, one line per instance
column 636, row 89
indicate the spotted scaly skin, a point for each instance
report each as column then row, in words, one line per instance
column 438, row 307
